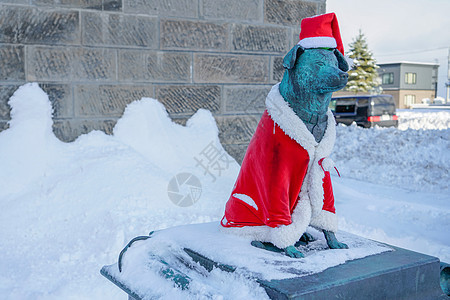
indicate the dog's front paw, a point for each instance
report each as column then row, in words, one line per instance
column 291, row 251
column 338, row 245
column 332, row 241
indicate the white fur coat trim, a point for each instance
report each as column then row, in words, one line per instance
column 282, row 114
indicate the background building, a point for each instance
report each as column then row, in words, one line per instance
column 409, row 82
column 93, row 57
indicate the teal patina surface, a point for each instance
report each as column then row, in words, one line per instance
column 311, row 76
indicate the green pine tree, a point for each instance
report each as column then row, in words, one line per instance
column 363, row 77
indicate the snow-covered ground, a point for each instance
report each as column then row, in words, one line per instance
column 69, row 208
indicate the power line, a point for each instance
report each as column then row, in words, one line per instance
column 412, row 52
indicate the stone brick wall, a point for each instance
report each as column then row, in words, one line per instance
column 93, row 57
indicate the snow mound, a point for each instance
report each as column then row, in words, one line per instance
column 416, row 160
column 413, row 220
column 68, row 209
column 423, row 119
column 147, row 128
column 24, row 150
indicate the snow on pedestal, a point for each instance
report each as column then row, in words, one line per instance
column 251, row 264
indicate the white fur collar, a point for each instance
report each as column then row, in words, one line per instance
column 283, row 115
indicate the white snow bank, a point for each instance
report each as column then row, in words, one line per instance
column 419, row 221
column 423, row 119
column 68, row 209
column 416, row 160
column 24, row 151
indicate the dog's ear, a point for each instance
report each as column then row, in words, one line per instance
column 342, row 62
column 290, row 58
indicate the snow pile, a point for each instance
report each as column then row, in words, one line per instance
column 394, row 186
column 419, row 221
column 416, row 160
column 69, row 208
column 421, row 119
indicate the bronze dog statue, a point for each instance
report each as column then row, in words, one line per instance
column 284, row 183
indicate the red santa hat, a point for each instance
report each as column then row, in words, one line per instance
column 321, row 31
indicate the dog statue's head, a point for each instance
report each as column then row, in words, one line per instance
column 315, row 71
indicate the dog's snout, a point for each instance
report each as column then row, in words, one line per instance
column 344, row 76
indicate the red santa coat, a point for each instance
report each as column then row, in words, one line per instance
column 284, row 184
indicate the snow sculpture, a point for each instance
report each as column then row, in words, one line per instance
column 284, row 183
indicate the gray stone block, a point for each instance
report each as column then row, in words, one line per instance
column 237, row 151
column 60, row 96
column 9, row 22
column 237, row 129
column 132, row 31
column 288, row 12
column 107, row 100
column 180, row 120
column 187, row 99
column 6, row 91
column 136, row 66
column 277, row 69
column 230, row 68
column 295, row 36
column 183, row 34
column 247, row 99
column 92, row 27
column 260, row 38
column 50, row 63
column 38, row 26
column 3, row 125
column 15, row 1
column 69, row 130
column 98, row 64
column 89, row 4
column 65, row 64
column 321, row 8
column 107, row 5
column 172, row 8
column 112, row 5
column 12, row 62
column 119, row 30
column 247, row 10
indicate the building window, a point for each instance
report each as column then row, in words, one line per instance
column 409, row 99
column 387, row 78
column 410, row 78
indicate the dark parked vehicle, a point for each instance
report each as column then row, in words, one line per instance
column 367, row 111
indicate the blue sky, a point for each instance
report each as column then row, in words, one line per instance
column 400, row 30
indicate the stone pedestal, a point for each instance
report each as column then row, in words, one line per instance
column 398, row 274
